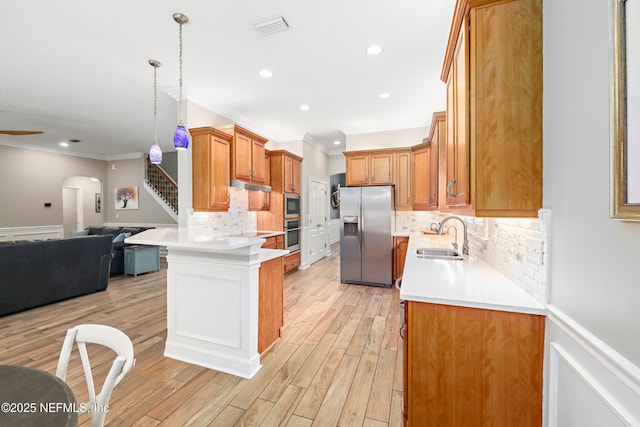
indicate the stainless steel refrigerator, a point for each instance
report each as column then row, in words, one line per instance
column 366, row 240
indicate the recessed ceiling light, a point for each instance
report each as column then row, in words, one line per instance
column 265, row 73
column 336, row 142
column 304, row 107
column 374, row 49
column 384, row 95
column 63, row 144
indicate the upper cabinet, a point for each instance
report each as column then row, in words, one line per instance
column 425, row 161
column 292, row 173
column 493, row 72
column 369, row 167
column 210, row 169
column 247, row 155
column 259, row 200
column 403, row 180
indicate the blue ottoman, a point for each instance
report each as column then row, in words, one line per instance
column 140, row 259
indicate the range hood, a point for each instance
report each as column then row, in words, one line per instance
column 250, row 186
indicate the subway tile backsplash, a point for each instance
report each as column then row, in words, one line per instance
column 516, row 247
column 238, row 219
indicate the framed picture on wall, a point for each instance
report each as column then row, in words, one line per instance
column 126, row 198
column 98, row 202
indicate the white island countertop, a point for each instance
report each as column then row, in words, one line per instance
column 467, row 283
column 204, row 240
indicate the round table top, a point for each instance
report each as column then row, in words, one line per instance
column 31, row 397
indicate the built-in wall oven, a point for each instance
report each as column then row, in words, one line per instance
column 292, row 235
column 291, row 206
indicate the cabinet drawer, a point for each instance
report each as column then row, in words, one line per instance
column 291, row 262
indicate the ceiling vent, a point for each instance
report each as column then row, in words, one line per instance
column 271, row 26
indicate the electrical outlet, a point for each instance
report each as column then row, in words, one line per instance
column 535, row 251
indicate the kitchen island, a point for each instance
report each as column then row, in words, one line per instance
column 212, row 296
column 473, row 343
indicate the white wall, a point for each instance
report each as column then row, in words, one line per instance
column 594, row 282
column 387, row 139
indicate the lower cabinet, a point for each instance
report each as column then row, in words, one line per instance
column 472, row 367
column 400, row 245
column 291, row 262
column 270, row 303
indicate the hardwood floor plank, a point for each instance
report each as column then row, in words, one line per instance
column 313, row 397
column 283, row 408
column 255, row 414
column 395, row 417
column 331, row 407
column 380, row 397
column 280, row 382
column 228, row 417
column 355, row 406
column 306, row 373
column 296, row 421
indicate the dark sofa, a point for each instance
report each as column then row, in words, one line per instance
column 35, row 273
column 117, row 263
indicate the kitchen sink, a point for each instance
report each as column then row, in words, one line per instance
column 439, row 253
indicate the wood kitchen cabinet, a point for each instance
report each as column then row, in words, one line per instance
column 292, row 174
column 494, row 109
column 472, row 367
column 284, row 178
column 247, row 155
column 402, row 181
column 400, row 245
column 373, row 167
column 270, row 303
column 210, row 169
column 261, row 200
column 425, row 166
column 292, row 262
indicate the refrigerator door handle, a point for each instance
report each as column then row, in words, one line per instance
column 362, row 228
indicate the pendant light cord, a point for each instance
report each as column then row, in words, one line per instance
column 155, row 106
column 180, row 79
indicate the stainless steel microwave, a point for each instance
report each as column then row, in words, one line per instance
column 291, row 206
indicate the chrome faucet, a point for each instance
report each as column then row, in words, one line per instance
column 465, row 243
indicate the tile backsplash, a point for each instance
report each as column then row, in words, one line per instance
column 238, row 219
column 516, row 247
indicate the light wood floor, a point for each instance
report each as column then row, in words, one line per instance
column 339, row 361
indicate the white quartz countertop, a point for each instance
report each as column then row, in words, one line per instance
column 269, row 254
column 197, row 239
column 467, row 283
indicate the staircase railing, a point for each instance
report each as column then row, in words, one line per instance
column 165, row 187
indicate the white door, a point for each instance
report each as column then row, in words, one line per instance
column 318, row 214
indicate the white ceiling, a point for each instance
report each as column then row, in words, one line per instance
column 79, row 69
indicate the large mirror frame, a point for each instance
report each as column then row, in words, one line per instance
column 625, row 135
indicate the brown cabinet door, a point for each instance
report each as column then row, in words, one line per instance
column 420, row 162
column 403, row 180
column 357, row 170
column 458, row 185
column 400, row 245
column 295, row 172
column 243, row 167
column 210, row 170
column 381, row 169
column 461, row 362
column 220, row 174
column 270, row 302
column 258, row 163
column 291, row 175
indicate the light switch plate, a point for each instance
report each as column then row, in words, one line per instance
column 535, row 251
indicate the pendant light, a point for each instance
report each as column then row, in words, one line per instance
column 155, row 153
column 181, row 137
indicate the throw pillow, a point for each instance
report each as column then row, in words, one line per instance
column 79, row 233
column 119, row 238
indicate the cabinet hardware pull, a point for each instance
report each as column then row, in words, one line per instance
column 449, row 188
